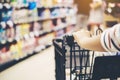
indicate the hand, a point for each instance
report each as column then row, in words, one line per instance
column 81, row 34
column 91, row 5
column 96, row 5
column 85, row 41
column 81, row 37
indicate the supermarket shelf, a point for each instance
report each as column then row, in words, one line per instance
column 10, row 40
column 43, row 6
column 31, row 19
column 13, row 62
column 9, row 45
column 37, row 49
column 57, row 5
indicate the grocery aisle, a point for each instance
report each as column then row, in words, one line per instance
column 38, row 67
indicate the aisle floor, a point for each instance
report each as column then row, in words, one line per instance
column 38, row 67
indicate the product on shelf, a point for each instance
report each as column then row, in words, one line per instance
column 10, row 31
column 6, row 12
column 25, row 48
column 32, row 5
column 32, row 15
column 36, row 28
column 68, row 1
column 59, row 22
column 21, row 30
column 47, row 25
column 70, row 28
column 63, row 20
column 46, row 39
column 54, row 22
column 3, row 37
column 13, row 2
column 30, row 43
column 40, row 12
column 46, row 13
column 55, row 12
column 1, row 7
column 5, row 55
column 20, row 46
column 20, row 15
column 39, row 3
column 60, row 33
column 18, row 34
column 47, row 3
column 32, row 9
column 25, row 29
column 14, row 51
column 50, row 37
column 62, row 11
column 19, row 3
column 71, row 19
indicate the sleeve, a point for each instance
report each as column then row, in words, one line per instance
column 110, row 39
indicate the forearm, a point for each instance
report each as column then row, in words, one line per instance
column 90, row 43
column 108, row 41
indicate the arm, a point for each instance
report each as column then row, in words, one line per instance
column 109, row 41
column 85, row 41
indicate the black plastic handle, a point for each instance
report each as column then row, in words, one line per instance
column 69, row 39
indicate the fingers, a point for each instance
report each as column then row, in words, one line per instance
column 82, row 33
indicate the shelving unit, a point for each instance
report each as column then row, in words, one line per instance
column 29, row 26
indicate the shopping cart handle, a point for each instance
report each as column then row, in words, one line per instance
column 69, row 39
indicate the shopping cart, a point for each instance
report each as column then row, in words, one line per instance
column 59, row 59
column 82, row 63
column 68, row 54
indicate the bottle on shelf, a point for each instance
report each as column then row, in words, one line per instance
column 3, row 37
column 10, row 31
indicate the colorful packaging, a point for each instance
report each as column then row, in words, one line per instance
column 46, row 3
column 60, row 32
column 6, row 12
column 20, row 45
column 25, row 29
column 46, row 13
column 36, row 28
column 18, row 34
column 32, row 5
column 25, row 49
column 3, row 37
column 59, row 22
column 14, row 52
column 47, row 25
column 55, row 12
column 10, row 31
column 5, row 55
column 50, row 37
column 40, row 12
column 70, row 28
column 46, row 39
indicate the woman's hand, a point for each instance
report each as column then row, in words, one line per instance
column 81, row 34
column 85, row 41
